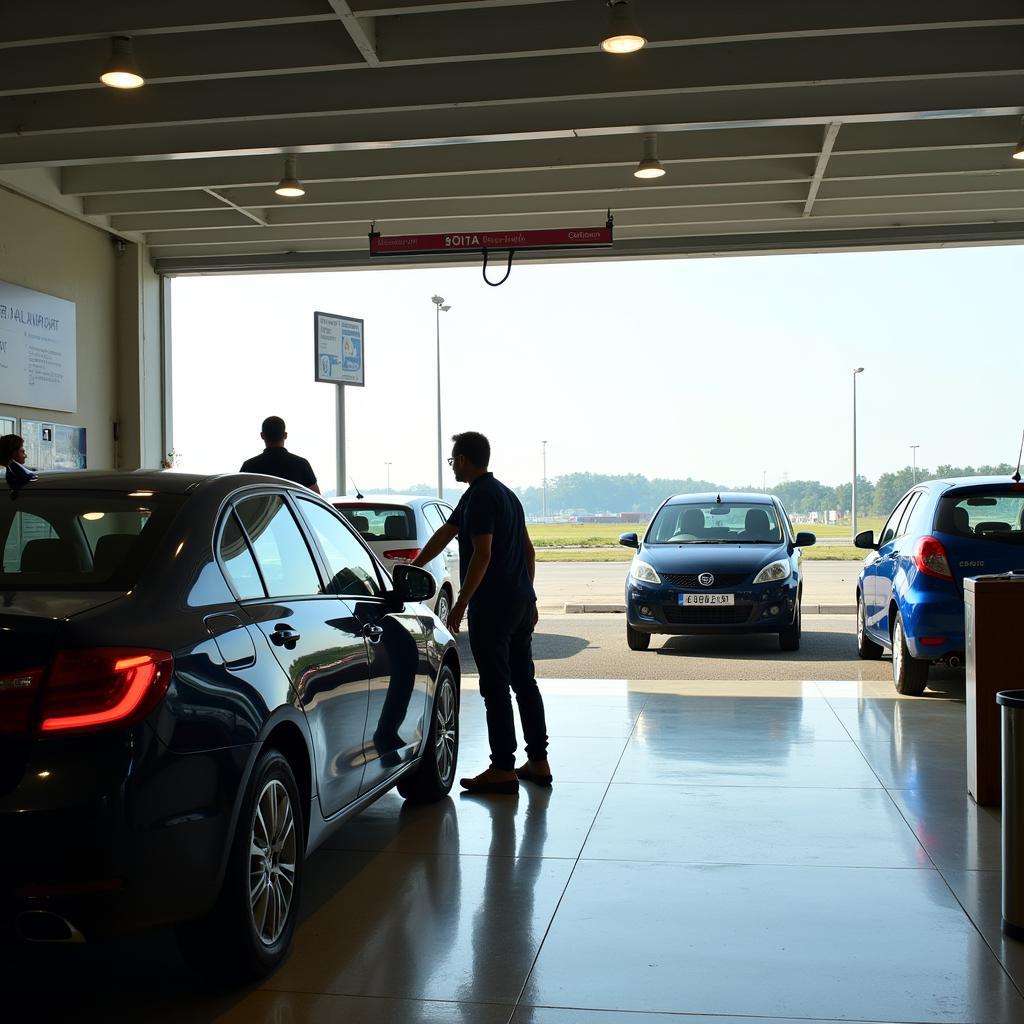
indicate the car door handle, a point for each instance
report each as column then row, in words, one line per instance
column 284, row 635
column 373, row 632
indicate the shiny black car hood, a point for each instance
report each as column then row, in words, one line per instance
column 713, row 558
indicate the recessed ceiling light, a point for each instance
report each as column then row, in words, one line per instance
column 650, row 165
column 289, row 186
column 623, row 35
column 122, row 71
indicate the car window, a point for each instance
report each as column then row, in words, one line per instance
column 725, row 522
column 352, row 570
column 381, row 522
column 432, row 514
column 445, row 510
column 79, row 539
column 994, row 515
column 238, row 561
column 908, row 513
column 889, row 530
column 284, row 559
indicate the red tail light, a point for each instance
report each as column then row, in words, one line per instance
column 402, row 554
column 103, row 686
column 17, row 696
column 930, row 557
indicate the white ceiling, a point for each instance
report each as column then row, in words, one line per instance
column 783, row 124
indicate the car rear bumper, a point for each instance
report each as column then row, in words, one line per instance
column 113, row 838
column 933, row 615
column 656, row 609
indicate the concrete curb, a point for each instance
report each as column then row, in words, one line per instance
column 619, row 609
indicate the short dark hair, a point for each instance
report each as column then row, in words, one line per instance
column 9, row 444
column 475, row 447
column 273, row 429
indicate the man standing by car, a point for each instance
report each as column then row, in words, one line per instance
column 497, row 567
column 276, row 460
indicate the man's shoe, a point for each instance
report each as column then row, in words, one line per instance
column 527, row 774
column 485, row 783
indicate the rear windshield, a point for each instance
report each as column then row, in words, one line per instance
column 381, row 522
column 716, row 523
column 994, row 516
column 79, row 540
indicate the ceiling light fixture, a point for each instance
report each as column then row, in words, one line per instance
column 650, row 166
column 122, row 71
column 289, row 186
column 623, row 35
column 1018, row 153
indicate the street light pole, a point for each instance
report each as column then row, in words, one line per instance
column 914, row 448
column 544, row 505
column 441, row 307
column 853, row 490
column 387, row 467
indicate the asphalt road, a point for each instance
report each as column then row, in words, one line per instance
column 594, row 647
column 562, row 583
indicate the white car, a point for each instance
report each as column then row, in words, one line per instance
column 397, row 527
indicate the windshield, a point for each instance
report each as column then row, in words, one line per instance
column 995, row 516
column 727, row 522
column 382, row 522
column 79, row 540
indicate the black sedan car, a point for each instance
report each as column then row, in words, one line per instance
column 713, row 564
column 199, row 679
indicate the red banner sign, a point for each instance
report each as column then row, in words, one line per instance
column 480, row 241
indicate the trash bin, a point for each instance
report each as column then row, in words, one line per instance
column 1012, row 704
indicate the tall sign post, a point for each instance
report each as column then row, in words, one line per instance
column 340, row 359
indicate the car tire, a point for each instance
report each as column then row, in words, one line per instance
column 444, row 605
column 866, row 647
column 910, row 674
column 789, row 638
column 636, row 640
column 431, row 780
column 247, row 935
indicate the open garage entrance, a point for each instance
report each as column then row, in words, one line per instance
column 731, row 835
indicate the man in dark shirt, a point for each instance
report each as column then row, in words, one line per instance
column 276, row 460
column 497, row 569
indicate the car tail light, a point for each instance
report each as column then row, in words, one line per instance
column 931, row 641
column 402, row 554
column 17, row 696
column 930, row 557
column 103, row 686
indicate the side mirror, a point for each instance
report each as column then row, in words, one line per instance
column 865, row 540
column 413, row 583
column 805, row 540
column 629, row 540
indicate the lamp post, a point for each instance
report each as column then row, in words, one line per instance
column 914, row 448
column 853, row 490
column 387, row 469
column 544, row 492
column 441, row 308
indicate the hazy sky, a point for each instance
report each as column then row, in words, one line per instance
column 713, row 368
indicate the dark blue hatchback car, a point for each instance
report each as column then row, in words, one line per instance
column 716, row 564
column 910, row 594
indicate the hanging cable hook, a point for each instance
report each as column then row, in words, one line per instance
column 508, row 270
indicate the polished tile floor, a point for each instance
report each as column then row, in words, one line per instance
column 711, row 853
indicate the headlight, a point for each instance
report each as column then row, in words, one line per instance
column 643, row 572
column 774, row 572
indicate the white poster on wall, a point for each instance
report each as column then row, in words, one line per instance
column 38, row 351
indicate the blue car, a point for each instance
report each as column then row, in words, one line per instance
column 713, row 564
column 910, row 594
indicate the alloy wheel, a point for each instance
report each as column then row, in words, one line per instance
column 445, row 731
column 897, row 649
column 272, row 858
column 443, row 608
column 860, row 622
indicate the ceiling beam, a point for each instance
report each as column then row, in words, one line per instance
column 362, row 30
column 831, row 131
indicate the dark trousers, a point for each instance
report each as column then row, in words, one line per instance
column 501, row 639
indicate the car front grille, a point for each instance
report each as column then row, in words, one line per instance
column 701, row 615
column 690, row 579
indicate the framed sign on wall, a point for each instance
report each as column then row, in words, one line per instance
column 38, row 350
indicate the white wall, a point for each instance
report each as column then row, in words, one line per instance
column 116, row 297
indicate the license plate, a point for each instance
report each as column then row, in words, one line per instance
column 707, row 599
